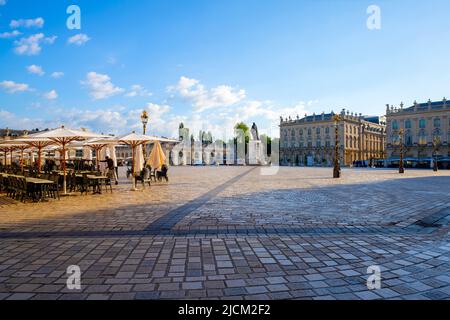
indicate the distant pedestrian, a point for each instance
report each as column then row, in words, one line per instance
column 111, row 170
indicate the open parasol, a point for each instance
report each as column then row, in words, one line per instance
column 63, row 137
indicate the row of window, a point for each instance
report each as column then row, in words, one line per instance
column 309, row 131
column 309, row 144
column 422, row 138
column 422, row 123
column 348, row 129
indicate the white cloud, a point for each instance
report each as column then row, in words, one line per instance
column 138, row 91
column 2, row 2
column 100, row 86
column 50, row 40
column 57, row 74
column 79, row 39
column 203, row 99
column 164, row 121
column 11, row 120
column 32, row 45
column 51, row 95
column 27, row 23
column 7, row 35
column 13, row 87
column 34, row 69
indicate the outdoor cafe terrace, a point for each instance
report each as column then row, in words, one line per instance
column 27, row 173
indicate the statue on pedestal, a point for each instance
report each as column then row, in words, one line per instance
column 255, row 148
column 254, row 135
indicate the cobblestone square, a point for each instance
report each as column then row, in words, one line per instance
column 236, row 233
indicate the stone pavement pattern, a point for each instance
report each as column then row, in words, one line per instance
column 232, row 233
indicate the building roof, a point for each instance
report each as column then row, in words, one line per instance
column 15, row 132
column 436, row 105
column 329, row 117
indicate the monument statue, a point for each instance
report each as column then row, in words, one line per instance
column 255, row 148
column 254, row 133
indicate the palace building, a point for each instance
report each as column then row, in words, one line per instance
column 426, row 133
column 310, row 141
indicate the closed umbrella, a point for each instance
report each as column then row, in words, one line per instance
column 140, row 161
column 87, row 154
column 32, row 159
column 157, row 157
column 134, row 141
column 102, row 157
column 5, row 154
column 112, row 154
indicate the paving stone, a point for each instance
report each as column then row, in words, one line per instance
column 192, row 285
column 233, row 233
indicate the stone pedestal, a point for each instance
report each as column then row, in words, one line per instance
column 255, row 153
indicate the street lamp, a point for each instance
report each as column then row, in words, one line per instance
column 144, row 119
column 337, row 165
column 401, row 169
column 436, row 144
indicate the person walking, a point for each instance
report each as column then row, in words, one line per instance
column 111, row 170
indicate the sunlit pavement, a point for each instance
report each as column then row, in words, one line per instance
column 236, row 233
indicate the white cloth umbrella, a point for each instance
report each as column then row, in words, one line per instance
column 87, row 154
column 112, row 154
column 63, row 137
column 99, row 146
column 139, row 156
column 102, row 157
column 162, row 140
column 13, row 145
column 32, row 159
column 39, row 144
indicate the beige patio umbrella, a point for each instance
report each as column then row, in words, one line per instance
column 40, row 145
column 98, row 145
column 5, row 151
column 157, row 157
column 13, row 145
column 134, row 141
column 62, row 137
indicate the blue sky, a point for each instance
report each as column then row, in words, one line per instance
column 211, row 63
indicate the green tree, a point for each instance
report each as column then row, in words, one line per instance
column 242, row 126
column 267, row 143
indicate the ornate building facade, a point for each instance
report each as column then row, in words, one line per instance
column 310, row 141
column 426, row 132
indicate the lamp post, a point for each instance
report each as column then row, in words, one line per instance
column 337, row 165
column 144, row 119
column 436, row 143
column 401, row 167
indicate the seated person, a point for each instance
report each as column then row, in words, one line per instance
column 163, row 173
column 147, row 172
